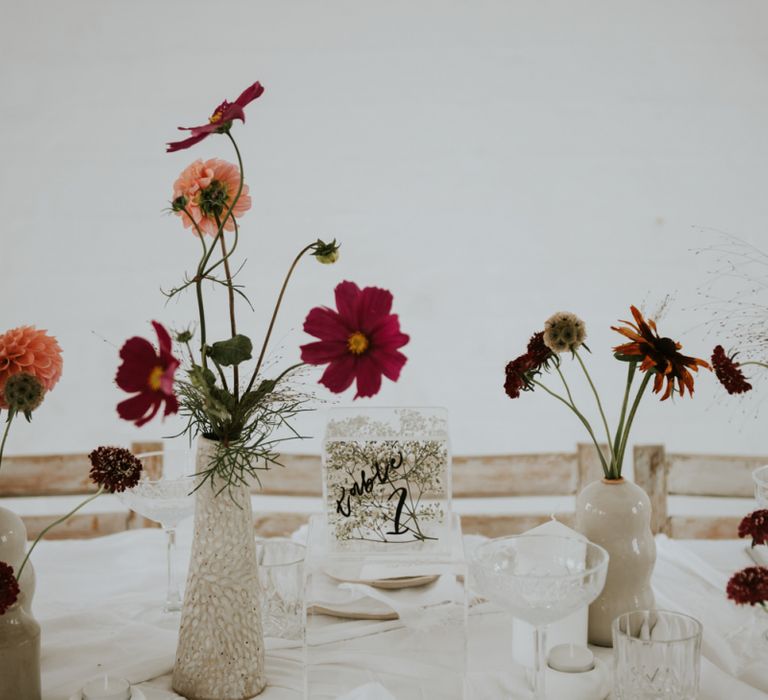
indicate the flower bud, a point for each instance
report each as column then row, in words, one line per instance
column 326, row 253
column 23, row 392
column 184, row 336
column 179, row 203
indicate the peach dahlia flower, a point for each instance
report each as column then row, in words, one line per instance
column 26, row 349
column 210, row 186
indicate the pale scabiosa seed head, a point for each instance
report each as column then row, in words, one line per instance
column 564, row 331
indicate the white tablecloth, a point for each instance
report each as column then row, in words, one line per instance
column 96, row 601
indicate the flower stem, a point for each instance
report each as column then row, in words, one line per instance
column 599, row 403
column 274, row 314
column 625, row 436
column 616, row 467
column 11, row 415
column 199, row 288
column 754, row 362
column 232, row 320
column 581, row 418
column 565, row 384
column 54, row 524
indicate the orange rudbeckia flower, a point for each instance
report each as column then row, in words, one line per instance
column 658, row 354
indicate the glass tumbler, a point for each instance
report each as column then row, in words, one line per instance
column 656, row 654
column 281, row 577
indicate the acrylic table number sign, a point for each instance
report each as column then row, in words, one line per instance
column 387, row 478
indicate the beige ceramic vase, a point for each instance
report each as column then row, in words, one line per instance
column 13, row 548
column 616, row 514
column 19, row 653
column 220, row 655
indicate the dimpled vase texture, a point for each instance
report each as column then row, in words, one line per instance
column 221, row 645
column 617, row 516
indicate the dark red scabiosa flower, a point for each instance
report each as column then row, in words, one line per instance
column 728, row 372
column 538, row 351
column 114, row 468
column 518, row 372
column 516, row 376
column 749, row 586
column 221, row 119
column 359, row 341
column 9, row 587
column 147, row 373
column 660, row 355
column 755, row 525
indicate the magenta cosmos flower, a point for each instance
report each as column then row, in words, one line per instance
column 221, row 119
column 148, row 374
column 359, row 341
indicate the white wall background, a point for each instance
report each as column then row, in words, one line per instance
column 490, row 162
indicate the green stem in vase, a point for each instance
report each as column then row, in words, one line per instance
column 54, row 524
column 232, row 319
column 630, row 419
column 9, row 420
column 275, row 312
column 616, row 466
column 565, row 383
column 599, row 404
column 581, row 417
column 199, row 288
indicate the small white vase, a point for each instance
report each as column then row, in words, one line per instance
column 13, row 548
column 220, row 655
column 616, row 514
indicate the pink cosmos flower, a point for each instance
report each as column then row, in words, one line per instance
column 209, row 188
column 148, row 374
column 359, row 341
column 221, row 119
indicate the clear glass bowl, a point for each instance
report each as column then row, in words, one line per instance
column 540, row 579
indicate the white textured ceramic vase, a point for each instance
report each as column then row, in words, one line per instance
column 220, row 655
column 616, row 514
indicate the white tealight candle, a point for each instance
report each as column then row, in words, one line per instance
column 107, row 688
column 571, row 658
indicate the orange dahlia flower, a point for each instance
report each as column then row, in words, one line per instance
column 207, row 189
column 26, row 349
column 657, row 354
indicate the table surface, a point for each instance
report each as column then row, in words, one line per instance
column 98, row 603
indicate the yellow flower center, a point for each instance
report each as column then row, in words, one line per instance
column 155, row 378
column 357, row 343
column 215, row 117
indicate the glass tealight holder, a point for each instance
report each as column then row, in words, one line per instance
column 281, row 577
column 656, row 654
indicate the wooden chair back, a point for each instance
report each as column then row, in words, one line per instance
column 480, row 477
column 497, row 476
column 664, row 474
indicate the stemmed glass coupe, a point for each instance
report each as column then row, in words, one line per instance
column 540, row 579
column 165, row 495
